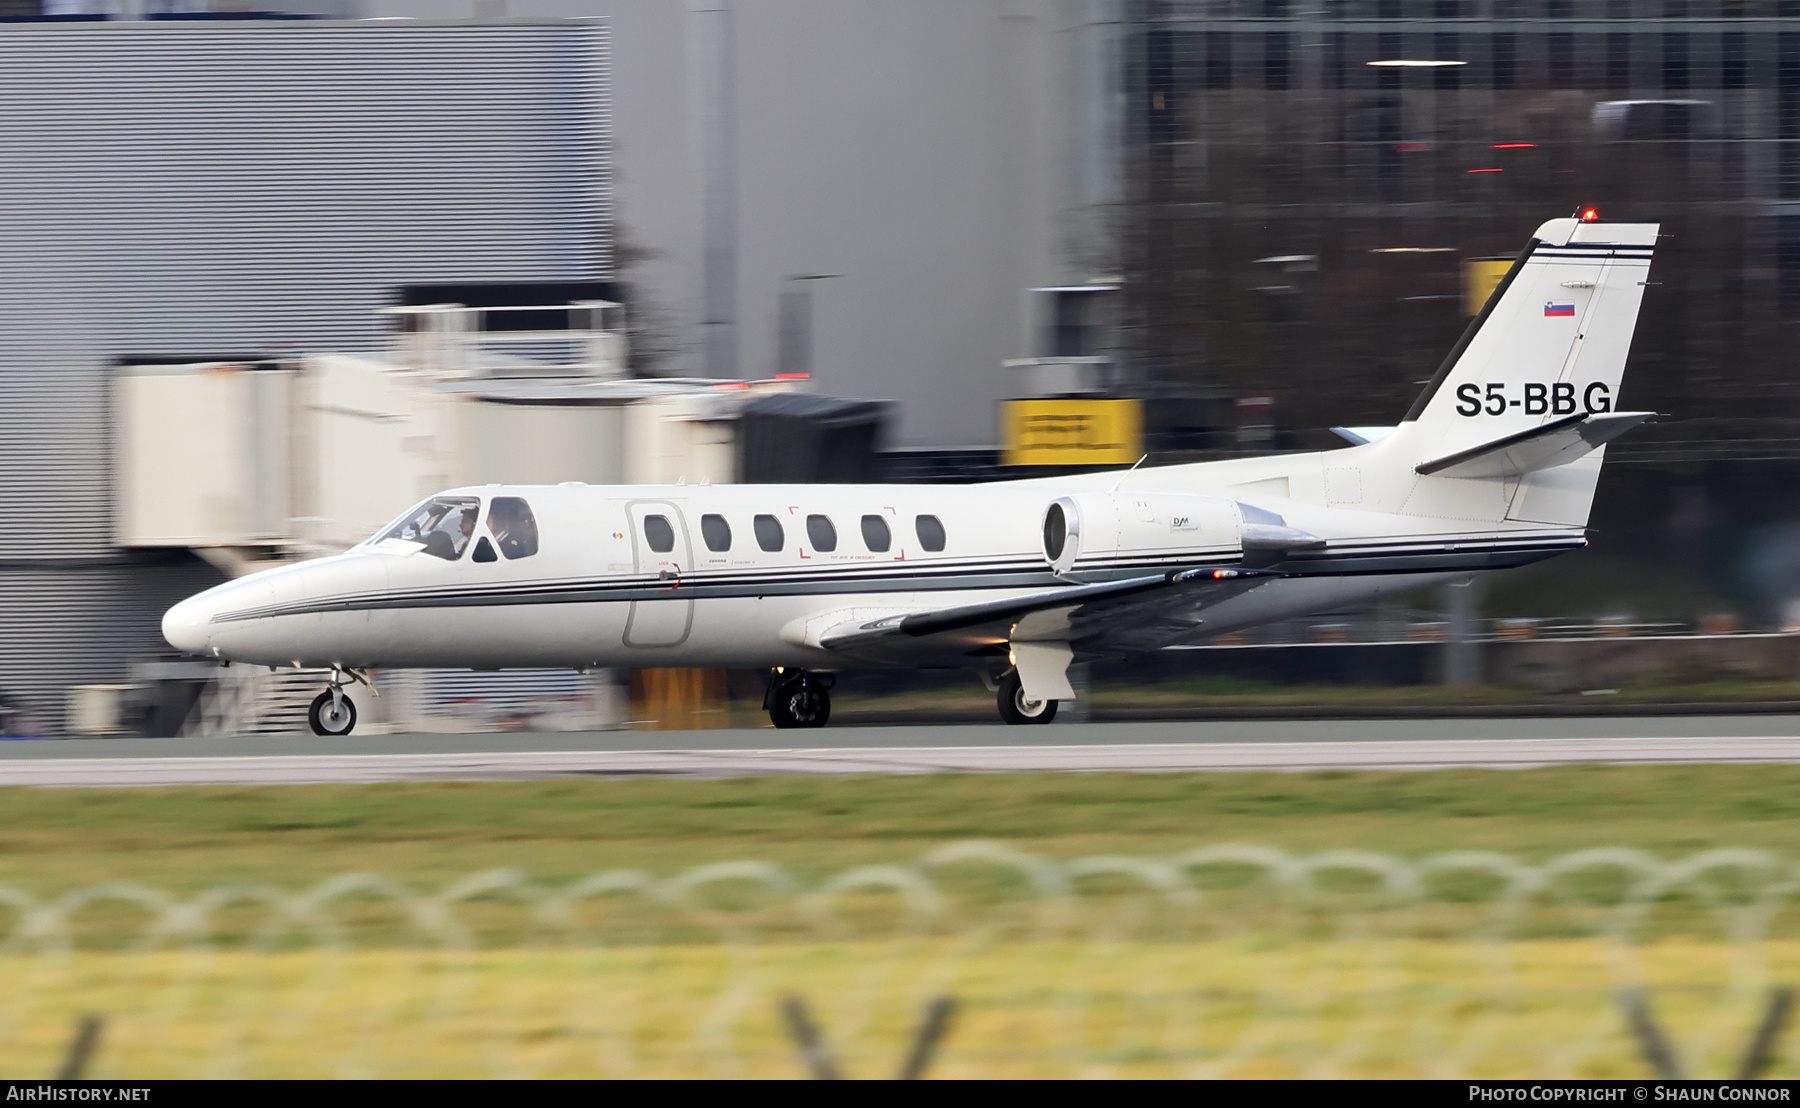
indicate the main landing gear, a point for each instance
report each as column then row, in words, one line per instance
column 333, row 713
column 797, row 698
column 1017, row 708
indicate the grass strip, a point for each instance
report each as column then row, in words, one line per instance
column 191, row 838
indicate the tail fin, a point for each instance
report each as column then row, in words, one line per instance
column 1550, row 345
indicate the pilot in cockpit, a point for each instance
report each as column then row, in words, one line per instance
column 514, row 528
column 442, row 525
column 448, row 540
column 502, row 523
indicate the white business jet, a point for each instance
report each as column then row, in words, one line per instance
column 1494, row 467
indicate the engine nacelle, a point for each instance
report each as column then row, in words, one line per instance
column 1098, row 530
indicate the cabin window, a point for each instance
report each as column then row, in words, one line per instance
column 659, row 534
column 514, row 527
column 716, row 532
column 484, row 551
column 931, row 533
column 822, row 533
column 769, row 535
column 442, row 525
column 876, row 535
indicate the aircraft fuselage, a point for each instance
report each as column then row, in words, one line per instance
column 595, row 593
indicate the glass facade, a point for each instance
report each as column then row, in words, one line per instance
column 1306, row 180
column 1370, row 147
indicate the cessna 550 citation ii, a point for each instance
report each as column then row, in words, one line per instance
column 1493, row 467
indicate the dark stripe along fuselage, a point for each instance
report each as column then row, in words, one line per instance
column 1351, row 558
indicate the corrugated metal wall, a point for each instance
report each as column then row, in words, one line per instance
column 175, row 189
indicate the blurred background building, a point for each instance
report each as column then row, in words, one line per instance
column 1308, row 181
column 239, row 194
column 1287, row 196
column 861, row 190
column 1187, row 228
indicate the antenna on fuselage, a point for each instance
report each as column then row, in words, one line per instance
column 1129, row 472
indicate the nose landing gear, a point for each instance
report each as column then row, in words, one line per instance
column 797, row 698
column 333, row 713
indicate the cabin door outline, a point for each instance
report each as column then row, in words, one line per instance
column 668, row 620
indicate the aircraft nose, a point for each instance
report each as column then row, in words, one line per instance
column 187, row 626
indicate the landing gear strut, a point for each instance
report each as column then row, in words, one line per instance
column 1017, row 708
column 333, row 713
column 797, row 698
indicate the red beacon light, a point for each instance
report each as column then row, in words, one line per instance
column 1590, row 215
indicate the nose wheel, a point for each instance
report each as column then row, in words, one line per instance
column 333, row 712
column 799, row 699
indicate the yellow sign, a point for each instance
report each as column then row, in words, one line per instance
column 1071, row 432
column 1481, row 276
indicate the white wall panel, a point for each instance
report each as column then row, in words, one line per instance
column 240, row 187
column 179, row 189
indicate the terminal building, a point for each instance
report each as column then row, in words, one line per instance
column 1308, row 178
column 1175, row 227
column 242, row 193
column 1310, row 186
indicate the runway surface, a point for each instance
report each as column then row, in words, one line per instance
column 1080, row 748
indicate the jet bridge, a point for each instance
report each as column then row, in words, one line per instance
column 251, row 460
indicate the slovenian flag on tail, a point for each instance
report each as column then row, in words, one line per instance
column 1551, row 308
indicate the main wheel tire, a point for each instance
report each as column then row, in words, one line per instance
column 1016, row 709
column 327, row 718
column 802, row 703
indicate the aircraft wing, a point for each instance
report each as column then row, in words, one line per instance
column 1137, row 613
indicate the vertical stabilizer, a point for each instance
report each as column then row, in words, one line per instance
column 1550, row 344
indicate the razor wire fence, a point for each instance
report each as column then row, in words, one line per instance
column 973, row 960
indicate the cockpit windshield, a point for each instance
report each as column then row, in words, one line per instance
column 442, row 525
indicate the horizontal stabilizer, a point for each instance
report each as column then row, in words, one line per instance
column 1556, row 443
column 1362, row 436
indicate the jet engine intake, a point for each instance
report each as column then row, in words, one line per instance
column 1097, row 531
column 1062, row 534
